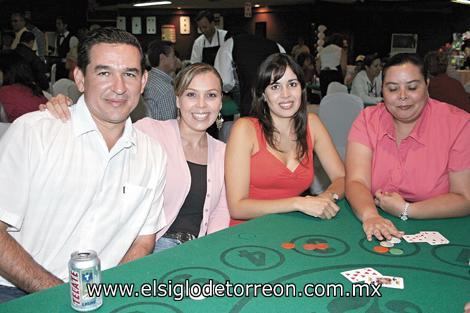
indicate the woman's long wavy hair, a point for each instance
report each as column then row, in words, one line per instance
column 270, row 71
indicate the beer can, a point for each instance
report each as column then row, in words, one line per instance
column 84, row 269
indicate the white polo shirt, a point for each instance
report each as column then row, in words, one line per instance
column 61, row 190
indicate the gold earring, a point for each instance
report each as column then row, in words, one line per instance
column 219, row 121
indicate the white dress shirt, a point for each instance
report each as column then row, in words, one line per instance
column 62, row 190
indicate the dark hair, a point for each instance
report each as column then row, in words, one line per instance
column 187, row 74
column 304, row 56
column 335, row 39
column 435, row 63
column 27, row 37
column 17, row 71
column 110, row 35
column 369, row 59
column 62, row 19
column 205, row 14
column 156, row 48
column 19, row 14
column 404, row 58
column 270, row 71
column 466, row 44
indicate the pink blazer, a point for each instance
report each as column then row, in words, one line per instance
column 178, row 180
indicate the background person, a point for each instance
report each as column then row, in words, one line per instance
column 367, row 84
column 409, row 155
column 442, row 87
column 205, row 46
column 19, row 93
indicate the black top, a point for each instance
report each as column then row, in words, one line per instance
column 190, row 215
column 38, row 67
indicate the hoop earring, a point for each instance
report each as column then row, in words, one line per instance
column 219, row 121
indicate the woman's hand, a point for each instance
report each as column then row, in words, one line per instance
column 390, row 202
column 380, row 227
column 58, row 106
column 318, row 207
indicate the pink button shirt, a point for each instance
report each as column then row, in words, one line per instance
column 418, row 168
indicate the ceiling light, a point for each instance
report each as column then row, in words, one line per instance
column 257, row 5
column 462, row 1
column 146, row 4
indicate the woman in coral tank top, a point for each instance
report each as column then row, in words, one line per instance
column 269, row 157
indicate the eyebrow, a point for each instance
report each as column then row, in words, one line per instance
column 203, row 90
column 126, row 70
column 409, row 82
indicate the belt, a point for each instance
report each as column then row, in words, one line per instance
column 180, row 236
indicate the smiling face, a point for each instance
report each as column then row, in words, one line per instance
column 405, row 92
column 113, row 82
column 284, row 95
column 200, row 102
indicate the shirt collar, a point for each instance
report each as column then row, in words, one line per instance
column 82, row 123
column 418, row 132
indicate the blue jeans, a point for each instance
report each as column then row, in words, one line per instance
column 8, row 293
column 165, row 243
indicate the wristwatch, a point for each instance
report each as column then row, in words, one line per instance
column 404, row 214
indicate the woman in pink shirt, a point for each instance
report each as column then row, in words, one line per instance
column 410, row 155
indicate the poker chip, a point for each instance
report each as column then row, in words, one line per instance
column 322, row 246
column 386, row 244
column 395, row 240
column 288, row 245
column 381, row 249
column 310, row 246
column 396, row 251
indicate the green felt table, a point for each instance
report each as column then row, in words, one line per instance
column 436, row 278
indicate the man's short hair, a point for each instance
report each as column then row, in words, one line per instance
column 205, row 14
column 156, row 48
column 109, row 35
column 27, row 37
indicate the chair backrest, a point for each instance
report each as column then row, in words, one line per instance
column 3, row 128
column 338, row 111
column 66, row 87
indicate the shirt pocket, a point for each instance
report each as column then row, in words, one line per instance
column 137, row 201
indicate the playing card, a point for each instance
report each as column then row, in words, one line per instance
column 386, row 281
column 435, row 238
column 419, row 237
column 360, row 274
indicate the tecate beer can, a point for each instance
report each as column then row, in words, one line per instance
column 84, row 269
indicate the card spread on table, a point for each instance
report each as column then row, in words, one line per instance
column 431, row 237
column 386, row 281
column 360, row 274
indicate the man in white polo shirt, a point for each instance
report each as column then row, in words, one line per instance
column 93, row 182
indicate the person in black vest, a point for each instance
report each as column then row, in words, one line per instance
column 65, row 42
column 205, row 47
column 38, row 67
column 241, row 55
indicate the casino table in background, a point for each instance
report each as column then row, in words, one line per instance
column 436, row 278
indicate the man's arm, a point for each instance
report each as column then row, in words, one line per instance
column 18, row 267
column 142, row 246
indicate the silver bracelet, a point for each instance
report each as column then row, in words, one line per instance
column 404, row 214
